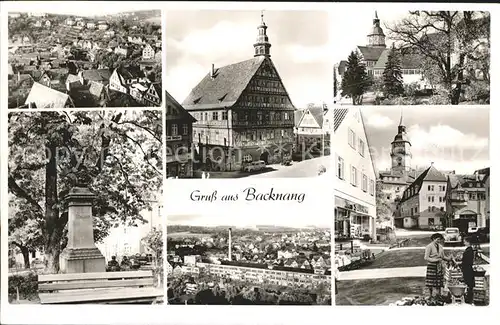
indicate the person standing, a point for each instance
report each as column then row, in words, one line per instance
column 434, row 255
column 468, row 270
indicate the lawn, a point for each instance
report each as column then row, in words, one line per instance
column 403, row 258
column 380, row 291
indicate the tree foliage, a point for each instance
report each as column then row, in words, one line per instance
column 392, row 75
column 118, row 152
column 355, row 81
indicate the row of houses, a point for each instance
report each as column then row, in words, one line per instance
column 256, row 273
column 55, row 89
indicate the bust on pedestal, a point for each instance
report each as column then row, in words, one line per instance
column 81, row 255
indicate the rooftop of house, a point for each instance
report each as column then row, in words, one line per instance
column 45, row 97
column 224, row 87
column 338, row 116
column 371, row 53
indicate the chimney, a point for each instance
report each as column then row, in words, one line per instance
column 230, row 244
column 212, row 71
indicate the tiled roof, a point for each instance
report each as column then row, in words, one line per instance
column 225, row 87
column 371, row 53
column 431, row 174
column 408, row 60
column 45, row 97
column 338, row 116
column 100, row 75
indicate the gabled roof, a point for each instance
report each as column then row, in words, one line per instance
column 45, row 97
column 338, row 116
column 371, row 53
column 225, row 87
column 431, row 174
column 181, row 109
column 317, row 113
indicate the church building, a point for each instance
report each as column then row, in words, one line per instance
column 243, row 112
column 375, row 53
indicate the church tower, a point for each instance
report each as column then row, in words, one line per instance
column 377, row 37
column 262, row 45
column 401, row 150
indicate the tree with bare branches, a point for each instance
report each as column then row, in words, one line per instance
column 456, row 43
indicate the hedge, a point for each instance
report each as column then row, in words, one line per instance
column 26, row 283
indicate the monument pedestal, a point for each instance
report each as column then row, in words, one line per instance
column 82, row 260
column 81, row 255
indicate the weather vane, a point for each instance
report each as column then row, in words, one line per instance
column 262, row 16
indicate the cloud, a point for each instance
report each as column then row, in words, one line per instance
column 378, row 121
column 444, row 136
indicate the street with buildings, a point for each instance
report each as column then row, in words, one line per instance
column 61, row 61
column 384, row 218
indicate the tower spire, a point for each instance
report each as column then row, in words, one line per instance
column 401, row 118
column 376, row 16
column 262, row 46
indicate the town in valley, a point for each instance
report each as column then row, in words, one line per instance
column 258, row 265
column 68, row 61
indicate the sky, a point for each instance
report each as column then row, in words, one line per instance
column 81, row 9
column 350, row 32
column 454, row 138
column 300, row 49
column 322, row 220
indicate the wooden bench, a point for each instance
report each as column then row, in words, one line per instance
column 102, row 288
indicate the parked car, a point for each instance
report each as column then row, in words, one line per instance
column 255, row 166
column 452, row 236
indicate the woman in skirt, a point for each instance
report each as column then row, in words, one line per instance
column 434, row 255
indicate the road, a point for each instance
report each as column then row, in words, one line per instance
column 305, row 168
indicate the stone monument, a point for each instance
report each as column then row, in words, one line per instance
column 81, row 254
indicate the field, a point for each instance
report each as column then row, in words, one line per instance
column 184, row 234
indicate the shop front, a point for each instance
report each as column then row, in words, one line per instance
column 181, row 168
column 352, row 220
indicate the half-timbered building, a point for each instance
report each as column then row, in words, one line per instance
column 243, row 112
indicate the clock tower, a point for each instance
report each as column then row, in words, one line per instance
column 401, row 150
